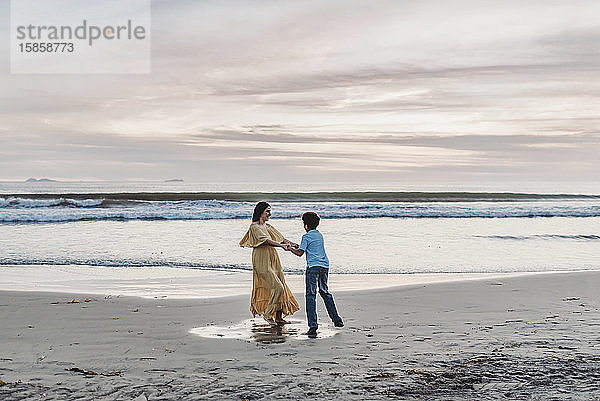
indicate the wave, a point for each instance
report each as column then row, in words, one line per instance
column 142, row 216
column 17, row 210
column 119, row 263
column 34, row 202
column 131, row 264
column 140, row 264
column 543, row 236
column 418, row 197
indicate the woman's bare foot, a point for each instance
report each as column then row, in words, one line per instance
column 279, row 320
column 270, row 321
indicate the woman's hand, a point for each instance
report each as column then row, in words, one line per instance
column 290, row 243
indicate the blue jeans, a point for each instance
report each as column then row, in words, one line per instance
column 318, row 276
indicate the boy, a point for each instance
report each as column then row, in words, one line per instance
column 317, row 271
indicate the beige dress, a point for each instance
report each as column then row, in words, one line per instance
column 270, row 293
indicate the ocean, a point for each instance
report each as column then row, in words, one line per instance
column 375, row 228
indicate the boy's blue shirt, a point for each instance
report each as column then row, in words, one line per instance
column 313, row 246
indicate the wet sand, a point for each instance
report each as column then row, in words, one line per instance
column 526, row 337
column 169, row 282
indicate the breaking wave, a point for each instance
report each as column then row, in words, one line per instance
column 49, row 208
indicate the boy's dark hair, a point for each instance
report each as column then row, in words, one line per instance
column 311, row 219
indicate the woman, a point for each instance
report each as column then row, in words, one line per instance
column 271, row 297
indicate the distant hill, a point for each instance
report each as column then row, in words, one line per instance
column 40, row 180
column 174, row 180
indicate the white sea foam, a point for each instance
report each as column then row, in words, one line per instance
column 38, row 203
column 23, row 210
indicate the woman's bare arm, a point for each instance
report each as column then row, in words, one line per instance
column 273, row 243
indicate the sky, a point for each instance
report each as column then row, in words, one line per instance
column 345, row 91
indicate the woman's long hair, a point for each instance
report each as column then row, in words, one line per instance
column 258, row 210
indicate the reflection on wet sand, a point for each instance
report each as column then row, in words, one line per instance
column 257, row 330
column 267, row 334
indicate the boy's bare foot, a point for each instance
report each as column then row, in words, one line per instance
column 312, row 332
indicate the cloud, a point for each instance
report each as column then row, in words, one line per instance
column 405, row 90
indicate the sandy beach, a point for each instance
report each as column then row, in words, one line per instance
column 524, row 337
column 165, row 166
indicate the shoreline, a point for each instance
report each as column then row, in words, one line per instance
column 526, row 337
column 178, row 283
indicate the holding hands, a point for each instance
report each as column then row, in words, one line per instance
column 288, row 245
